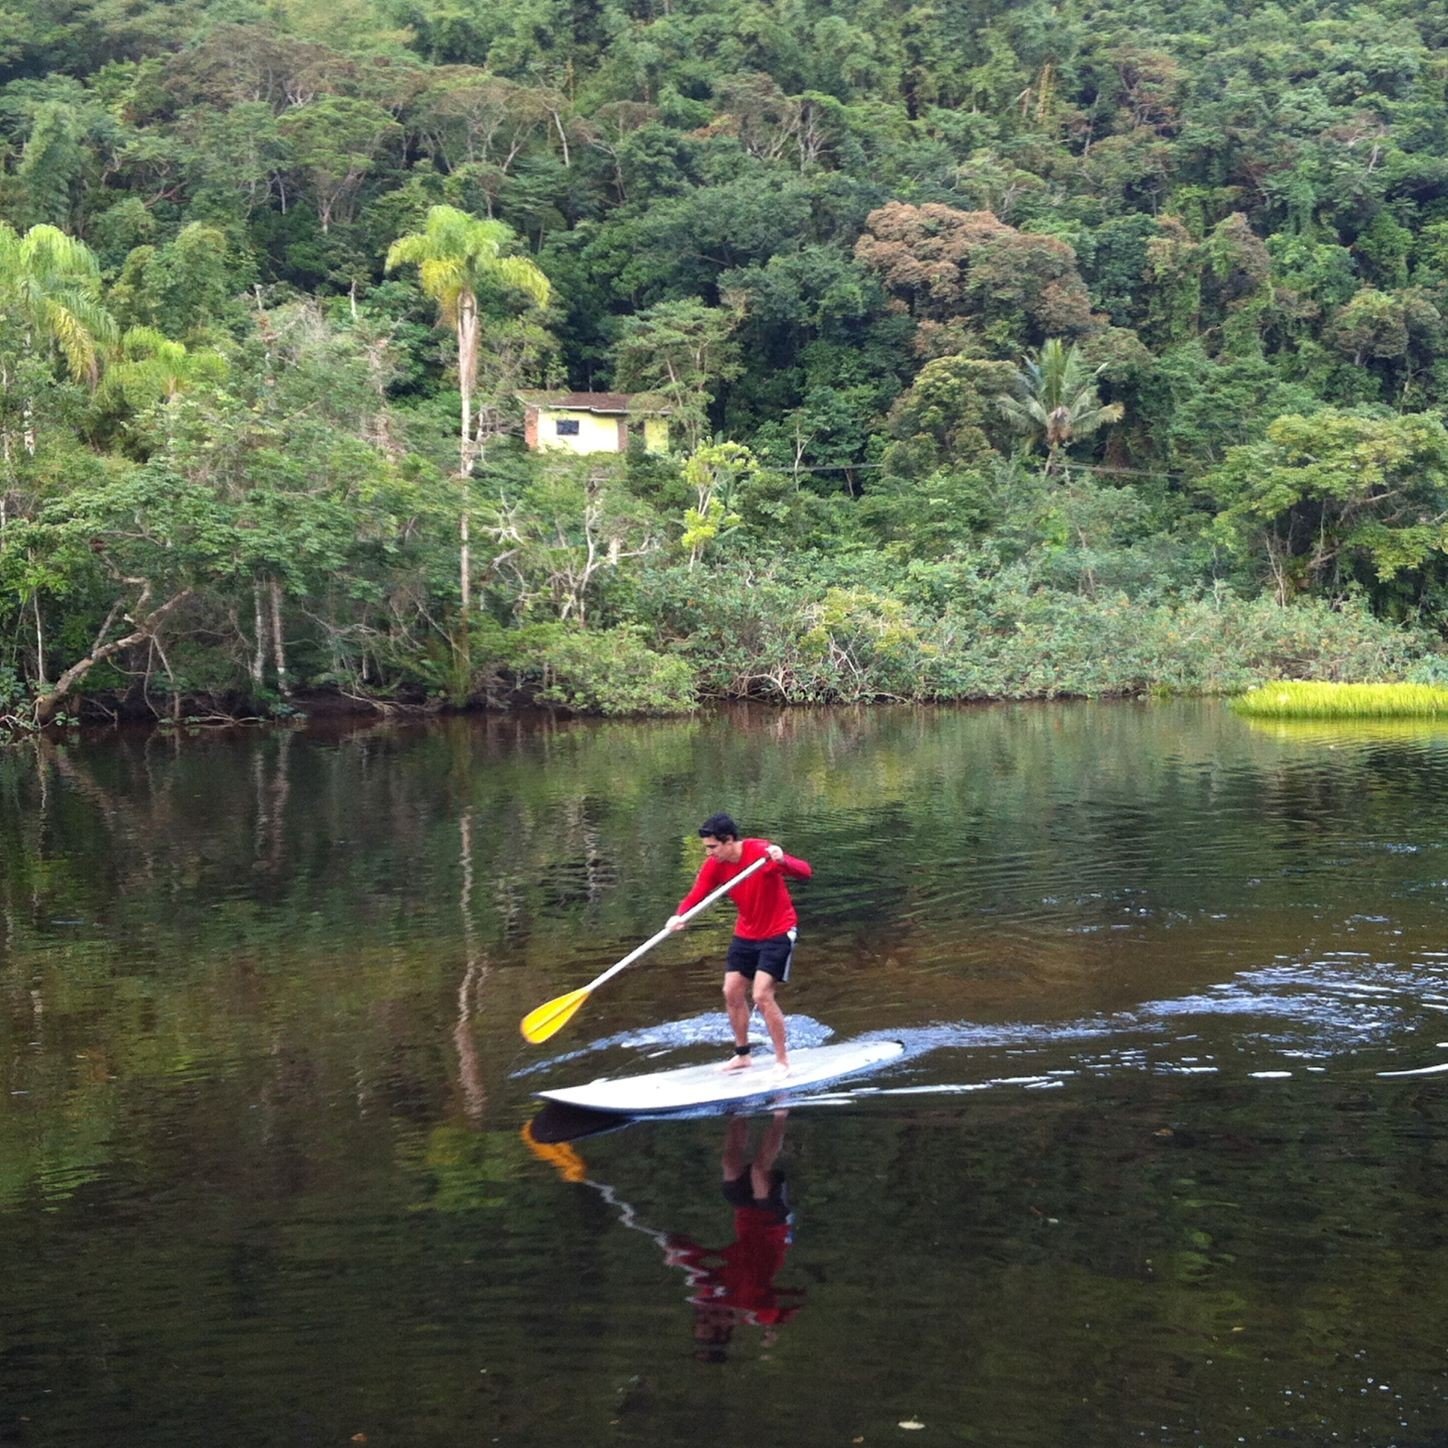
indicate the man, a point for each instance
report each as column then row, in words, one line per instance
column 764, row 935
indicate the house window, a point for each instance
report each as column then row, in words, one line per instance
column 567, row 427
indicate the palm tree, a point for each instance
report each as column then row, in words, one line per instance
column 457, row 257
column 1057, row 400
column 50, row 290
column 149, row 367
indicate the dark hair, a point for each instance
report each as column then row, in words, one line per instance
column 720, row 826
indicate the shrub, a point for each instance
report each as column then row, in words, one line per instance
column 1045, row 643
column 752, row 636
column 610, row 671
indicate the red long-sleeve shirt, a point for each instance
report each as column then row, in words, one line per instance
column 762, row 900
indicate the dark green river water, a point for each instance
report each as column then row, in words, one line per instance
column 1165, row 1160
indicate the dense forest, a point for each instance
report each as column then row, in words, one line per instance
column 1006, row 349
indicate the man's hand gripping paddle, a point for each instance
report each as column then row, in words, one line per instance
column 549, row 1018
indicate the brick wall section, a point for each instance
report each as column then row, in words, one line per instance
column 530, row 427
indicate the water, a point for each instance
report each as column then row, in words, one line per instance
column 1164, row 1161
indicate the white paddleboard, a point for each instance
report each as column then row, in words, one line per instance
column 707, row 1085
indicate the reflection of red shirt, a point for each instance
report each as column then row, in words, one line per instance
column 741, row 1276
column 765, row 908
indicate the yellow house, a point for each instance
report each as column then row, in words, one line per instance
column 588, row 422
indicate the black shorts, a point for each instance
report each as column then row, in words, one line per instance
column 771, row 955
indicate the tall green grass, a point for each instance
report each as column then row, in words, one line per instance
column 1303, row 699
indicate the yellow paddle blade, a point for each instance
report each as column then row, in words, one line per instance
column 543, row 1021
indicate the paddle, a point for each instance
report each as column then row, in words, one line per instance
column 552, row 1016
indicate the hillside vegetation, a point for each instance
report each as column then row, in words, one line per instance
column 1008, row 350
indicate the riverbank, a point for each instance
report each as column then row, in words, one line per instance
column 849, row 647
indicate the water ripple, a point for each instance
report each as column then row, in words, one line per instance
column 1297, row 1013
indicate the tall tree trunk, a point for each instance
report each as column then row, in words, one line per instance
column 468, row 338
column 279, row 644
column 258, row 659
column 27, row 413
column 6, row 443
column 39, row 642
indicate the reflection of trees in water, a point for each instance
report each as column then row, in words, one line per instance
column 470, row 1068
column 586, row 829
column 272, row 788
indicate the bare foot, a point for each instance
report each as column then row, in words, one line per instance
column 737, row 1063
column 781, row 1068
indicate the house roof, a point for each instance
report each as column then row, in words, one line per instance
column 613, row 402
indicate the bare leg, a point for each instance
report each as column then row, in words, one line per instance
column 773, row 1017
column 736, row 1002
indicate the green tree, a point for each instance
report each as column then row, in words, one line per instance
column 1338, row 498
column 1372, row 324
column 150, row 368
column 332, row 538
column 947, row 414
column 180, row 288
column 1056, row 401
column 463, row 266
column 335, row 141
column 1174, row 265
column 717, row 472
column 143, row 537
column 52, row 164
column 679, row 351
column 50, row 306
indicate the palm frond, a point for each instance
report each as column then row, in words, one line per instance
column 48, row 252
column 72, row 338
column 1024, row 414
column 457, row 255
column 520, row 274
column 1057, row 397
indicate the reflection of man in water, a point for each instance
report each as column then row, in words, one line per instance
column 736, row 1284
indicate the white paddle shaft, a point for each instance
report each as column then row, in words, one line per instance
column 653, row 940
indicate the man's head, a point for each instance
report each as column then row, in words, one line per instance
column 721, row 838
column 720, row 826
